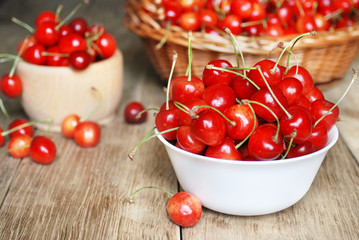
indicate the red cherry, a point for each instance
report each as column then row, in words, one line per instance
column 42, row 150
column 214, row 76
column 319, row 108
column 19, row 146
column 183, row 89
column 303, row 76
column 319, row 137
column 26, row 43
column 56, row 58
column 343, row 5
column 46, row 33
column 184, row 209
column 79, row 60
column 189, row 21
column 185, row 118
column 314, row 94
column 242, row 8
column 132, row 110
column 219, row 96
column 258, row 12
column 265, row 143
column 87, row 134
column 106, row 44
column 65, row 30
column 272, row 76
column 244, row 119
column 69, row 125
column 292, row 89
column 187, row 140
column 301, row 150
column 71, row 43
column 34, row 54
column 29, row 130
column 45, row 16
column 209, row 127
column 208, row 17
column 78, row 25
column 166, row 120
column 321, row 22
column 233, row 23
column 11, row 86
column 225, row 150
column 172, row 11
column 243, row 88
column 305, row 24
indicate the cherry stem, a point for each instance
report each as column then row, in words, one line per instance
column 300, row 7
column 138, row 115
column 355, row 75
column 252, row 23
column 148, row 187
column 17, row 59
column 165, row 36
column 246, row 101
column 233, row 123
column 71, row 14
column 273, row 95
column 291, row 43
column 182, row 107
column 189, row 70
column 23, row 24
column 174, row 59
column 148, row 137
column 234, row 72
column 236, row 46
column 333, row 14
column 3, row 109
column 292, row 136
column 11, row 130
column 58, row 11
column 8, row 56
column 55, row 54
column 99, row 95
column 254, row 127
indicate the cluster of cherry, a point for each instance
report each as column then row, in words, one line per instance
column 254, row 17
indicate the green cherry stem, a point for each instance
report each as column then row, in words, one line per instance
column 11, row 130
column 236, row 46
column 254, row 127
column 355, row 75
column 71, row 14
column 165, row 36
column 292, row 136
column 17, row 59
column 233, row 123
column 147, row 187
column 174, row 60
column 58, row 12
column 23, row 24
column 3, row 109
column 237, row 73
column 189, row 70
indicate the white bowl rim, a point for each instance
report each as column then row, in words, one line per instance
column 333, row 130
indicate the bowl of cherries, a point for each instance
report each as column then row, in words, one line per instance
column 247, row 141
column 67, row 66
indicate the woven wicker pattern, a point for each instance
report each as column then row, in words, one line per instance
column 327, row 56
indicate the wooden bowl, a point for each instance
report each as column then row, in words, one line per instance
column 56, row 92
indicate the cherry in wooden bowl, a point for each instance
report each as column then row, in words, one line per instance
column 56, row 92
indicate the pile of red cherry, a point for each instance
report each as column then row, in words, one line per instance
column 255, row 18
column 270, row 112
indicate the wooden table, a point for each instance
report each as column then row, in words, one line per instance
column 84, row 193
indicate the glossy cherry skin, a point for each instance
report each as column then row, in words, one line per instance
column 184, row 209
column 45, row 16
column 78, row 25
column 47, row 34
column 213, row 76
column 314, row 94
column 26, row 43
column 87, row 134
column 65, row 30
column 34, row 54
column 303, row 76
column 319, row 137
column 233, row 23
column 71, row 43
column 56, row 59
column 19, row 146
column 219, row 96
column 242, row 8
column 69, row 124
column 305, row 24
column 172, row 11
column 292, row 89
column 188, row 141
column 225, row 150
column 189, row 21
column 299, row 123
column 184, row 90
column 263, row 143
column 2, row 138
column 209, row 127
column 79, row 60
column 42, row 150
column 208, row 17
column 28, row 130
column 271, row 75
column 193, row 107
column 11, row 86
column 106, row 44
column 244, row 118
column 265, row 97
column 132, row 111
column 165, row 120
column 301, row 150
column 243, row 88
column 319, row 108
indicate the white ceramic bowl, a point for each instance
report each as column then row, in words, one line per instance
column 247, row 188
column 55, row 92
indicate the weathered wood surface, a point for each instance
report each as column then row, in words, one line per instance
column 84, row 193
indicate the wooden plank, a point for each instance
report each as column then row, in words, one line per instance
column 330, row 209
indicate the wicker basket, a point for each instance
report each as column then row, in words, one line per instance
column 327, row 56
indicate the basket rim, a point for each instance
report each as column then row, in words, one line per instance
column 141, row 23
